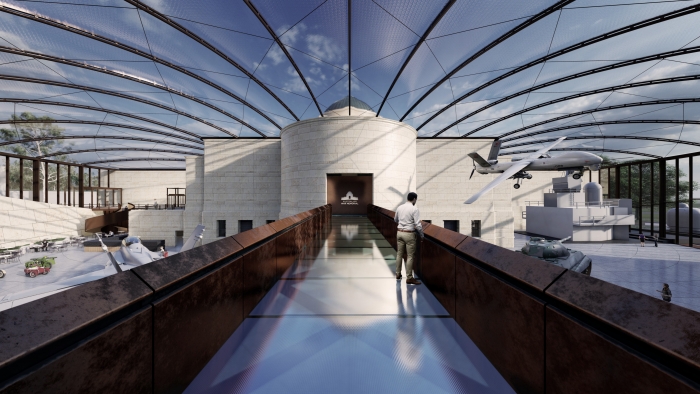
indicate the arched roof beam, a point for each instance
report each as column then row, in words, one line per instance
column 607, row 122
column 604, row 137
column 98, row 123
column 133, row 159
column 420, row 42
column 534, row 19
column 209, row 46
column 72, row 29
column 115, row 94
column 626, row 63
column 588, row 93
column 601, row 109
column 71, row 152
column 99, row 137
column 284, row 49
column 156, row 85
column 590, row 41
column 91, row 108
column 627, row 152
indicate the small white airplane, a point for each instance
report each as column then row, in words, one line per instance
column 134, row 254
column 538, row 161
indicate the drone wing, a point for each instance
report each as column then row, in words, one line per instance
column 512, row 170
column 544, row 150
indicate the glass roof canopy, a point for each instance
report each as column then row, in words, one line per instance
column 135, row 84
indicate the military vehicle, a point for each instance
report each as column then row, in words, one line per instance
column 555, row 253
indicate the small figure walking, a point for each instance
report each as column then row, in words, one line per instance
column 641, row 239
column 666, row 293
column 656, row 241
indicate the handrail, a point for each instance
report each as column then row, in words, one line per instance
column 146, row 316
column 590, row 220
column 537, row 322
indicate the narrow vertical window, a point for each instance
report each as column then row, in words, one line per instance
column 221, row 228
column 476, row 228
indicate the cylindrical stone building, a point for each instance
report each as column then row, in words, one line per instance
column 349, row 140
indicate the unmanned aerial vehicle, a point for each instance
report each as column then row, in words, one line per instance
column 517, row 169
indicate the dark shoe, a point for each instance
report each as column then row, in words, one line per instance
column 412, row 282
column 398, row 277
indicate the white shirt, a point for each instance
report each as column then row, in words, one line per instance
column 408, row 218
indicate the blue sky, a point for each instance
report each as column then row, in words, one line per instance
column 384, row 33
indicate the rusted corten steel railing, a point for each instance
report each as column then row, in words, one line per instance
column 153, row 328
column 550, row 330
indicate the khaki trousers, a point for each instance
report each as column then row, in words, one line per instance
column 405, row 245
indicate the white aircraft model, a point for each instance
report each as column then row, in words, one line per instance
column 134, row 254
column 538, row 161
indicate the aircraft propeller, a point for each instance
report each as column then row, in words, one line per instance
column 473, row 169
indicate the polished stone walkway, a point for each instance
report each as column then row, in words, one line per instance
column 644, row 270
column 340, row 323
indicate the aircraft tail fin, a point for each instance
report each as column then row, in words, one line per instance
column 111, row 256
column 495, row 150
column 196, row 235
column 479, row 160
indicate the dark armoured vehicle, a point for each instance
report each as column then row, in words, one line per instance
column 555, row 253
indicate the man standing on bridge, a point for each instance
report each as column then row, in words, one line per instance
column 408, row 219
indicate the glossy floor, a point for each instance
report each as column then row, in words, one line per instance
column 644, row 269
column 339, row 322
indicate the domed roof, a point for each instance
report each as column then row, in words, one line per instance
column 343, row 103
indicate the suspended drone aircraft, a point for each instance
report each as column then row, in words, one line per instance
column 538, row 161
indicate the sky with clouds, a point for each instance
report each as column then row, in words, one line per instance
column 128, row 73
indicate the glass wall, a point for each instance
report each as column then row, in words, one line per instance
column 624, row 182
column 683, row 199
column 604, row 181
column 647, row 190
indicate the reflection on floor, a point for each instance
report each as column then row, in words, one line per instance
column 644, row 270
column 341, row 323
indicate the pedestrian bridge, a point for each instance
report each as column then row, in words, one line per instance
column 310, row 304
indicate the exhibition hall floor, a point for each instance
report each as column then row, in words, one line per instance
column 643, row 269
column 69, row 263
column 340, row 322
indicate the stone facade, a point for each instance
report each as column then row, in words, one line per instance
column 24, row 222
column 157, row 224
column 443, row 169
column 142, row 187
column 349, row 145
column 241, row 182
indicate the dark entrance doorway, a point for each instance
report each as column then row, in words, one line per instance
column 349, row 194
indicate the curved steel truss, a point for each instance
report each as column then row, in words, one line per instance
column 586, row 93
column 609, row 67
column 606, row 122
column 554, row 8
column 71, row 152
column 100, row 137
column 284, row 50
column 115, row 94
column 590, row 41
column 97, row 109
column 156, row 85
column 601, row 109
column 209, row 46
column 420, row 42
column 133, row 159
column 97, row 37
column 627, row 152
column 98, row 123
column 604, row 137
